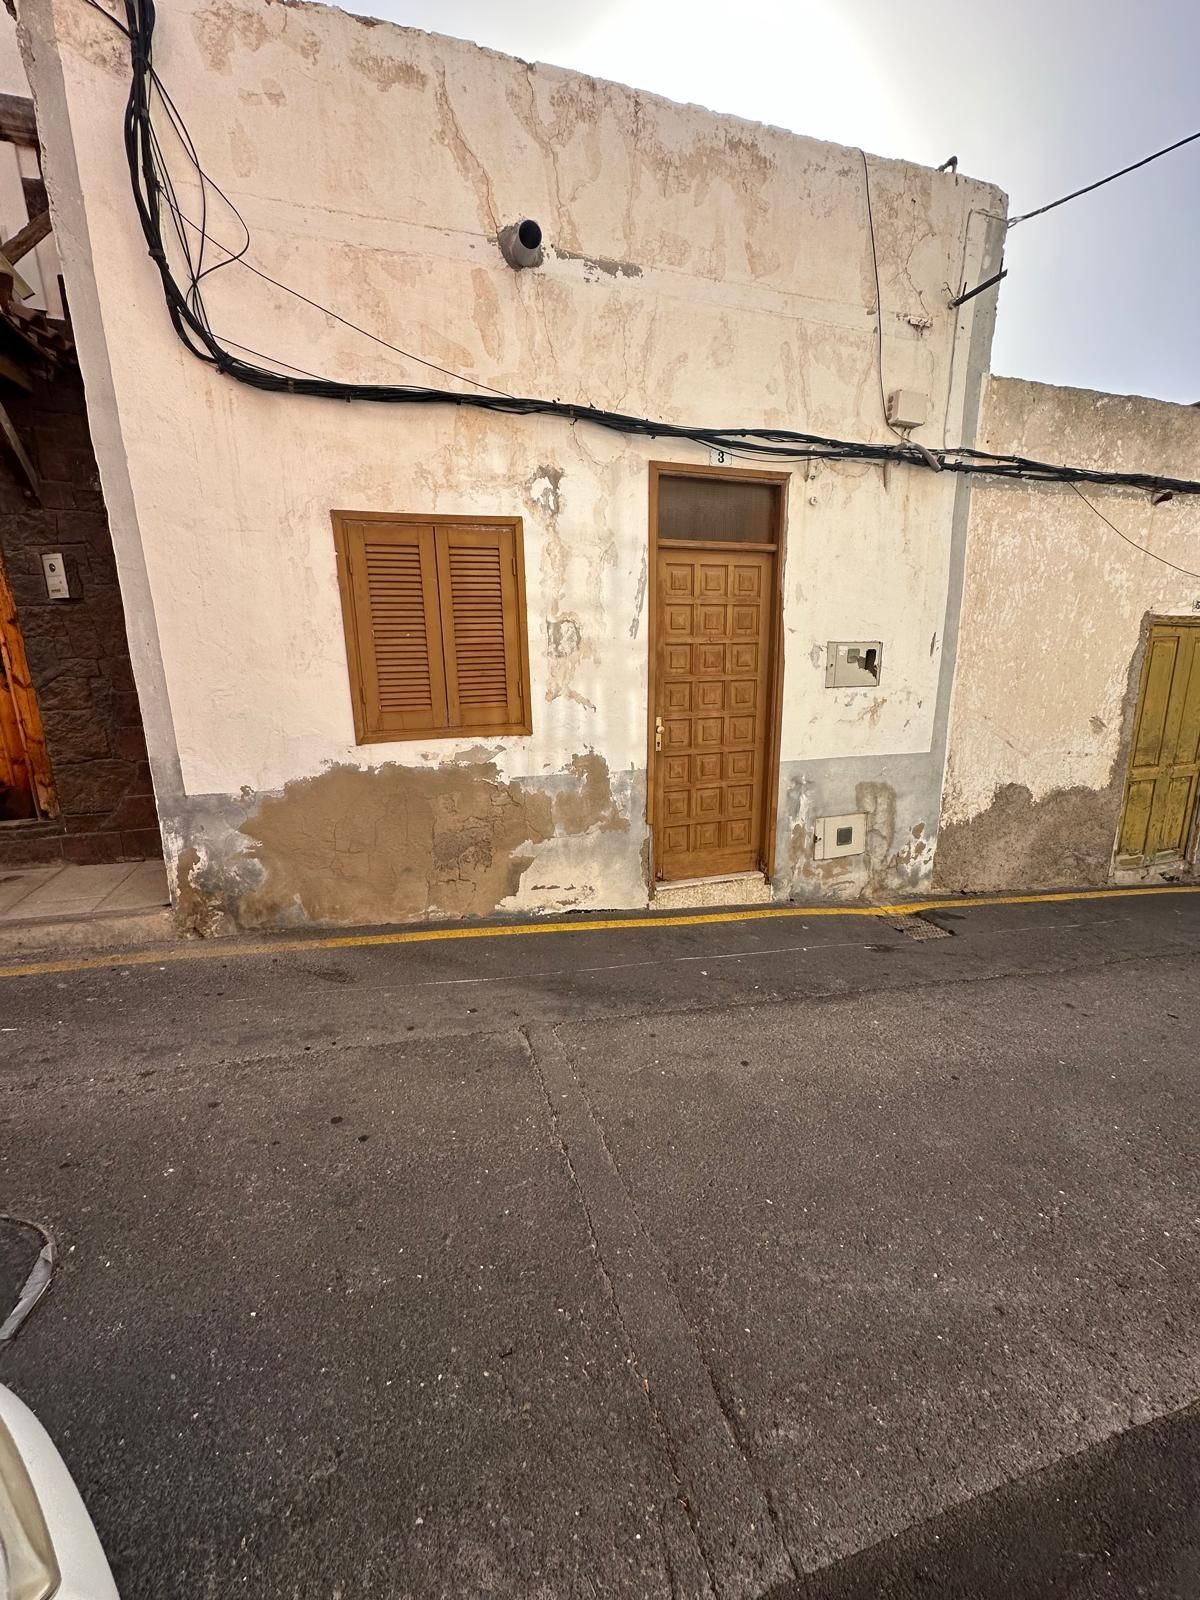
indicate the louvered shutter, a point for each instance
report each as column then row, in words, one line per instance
column 397, row 630
column 481, row 622
column 435, row 625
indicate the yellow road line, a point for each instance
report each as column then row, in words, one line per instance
column 283, row 945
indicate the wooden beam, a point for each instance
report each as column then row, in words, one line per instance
column 14, row 372
column 20, row 289
column 13, row 440
column 26, row 238
column 17, row 122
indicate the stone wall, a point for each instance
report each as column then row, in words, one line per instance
column 77, row 648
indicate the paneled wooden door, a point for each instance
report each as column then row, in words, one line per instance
column 26, row 787
column 713, row 633
column 16, row 786
column 1164, row 764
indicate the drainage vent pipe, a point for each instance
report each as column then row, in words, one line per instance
column 521, row 243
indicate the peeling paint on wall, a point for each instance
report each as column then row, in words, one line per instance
column 599, row 853
column 391, row 845
column 1063, row 840
column 898, row 853
column 194, row 910
column 597, row 267
column 639, row 596
column 396, row 844
column 589, row 802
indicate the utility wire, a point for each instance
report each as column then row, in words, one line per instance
column 277, row 361
column 927, row 455
column 242, row 260
column 1100, row 182
column 878, row 299
column 154, row 192
column 105, row 12
column 197, row 270
column 1187, row 572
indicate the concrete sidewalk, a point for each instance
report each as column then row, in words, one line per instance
column 668, row 1261
column 82, row 907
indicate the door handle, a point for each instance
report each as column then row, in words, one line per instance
column 658, row 733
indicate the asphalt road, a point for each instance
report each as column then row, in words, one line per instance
column 784, row 1258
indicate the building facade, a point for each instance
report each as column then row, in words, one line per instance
column 400, row 661
column 1075, row 750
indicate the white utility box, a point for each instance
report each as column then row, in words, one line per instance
column 841, row 836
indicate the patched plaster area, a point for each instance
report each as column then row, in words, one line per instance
column 398, row 844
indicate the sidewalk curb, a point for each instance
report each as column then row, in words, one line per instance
column 81, row 935
column 146, row 938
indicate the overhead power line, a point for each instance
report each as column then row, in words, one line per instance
column 154, row 194
column 927, row 455
column 1187, row 571
column 1100, row 182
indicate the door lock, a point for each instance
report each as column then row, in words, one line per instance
column 658, row 733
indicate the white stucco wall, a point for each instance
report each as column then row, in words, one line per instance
column 40, row 267
column 1054, row 613
column 700, row 269
column 12, row 68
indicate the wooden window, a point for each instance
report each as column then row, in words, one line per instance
column 434, row 610
column 730, row 511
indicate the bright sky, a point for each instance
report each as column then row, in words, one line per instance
column 1038, row 96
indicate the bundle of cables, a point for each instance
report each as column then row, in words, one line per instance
column 156, row 199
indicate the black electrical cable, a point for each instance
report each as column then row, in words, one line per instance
column 1187, row 571
column 105, row 12
column 1100, row 182
column 153, row 192
column 878, row 297
column 240, row 260
column 277, row 361
column 197, row 270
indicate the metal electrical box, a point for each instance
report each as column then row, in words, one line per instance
column 907, row 408
column 55, row 574
column 841, row 836
column 853, row 664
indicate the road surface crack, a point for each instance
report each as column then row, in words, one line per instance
column 727, row 1411
column 614, row 1300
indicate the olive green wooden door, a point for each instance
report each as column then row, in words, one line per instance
column 1164, row 765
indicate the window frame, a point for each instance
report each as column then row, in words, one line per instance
column 363, row 734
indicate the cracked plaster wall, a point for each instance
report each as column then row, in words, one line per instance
column 1055, row 611
column 698, row 268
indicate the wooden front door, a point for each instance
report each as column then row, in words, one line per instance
column 26, row 789
column 1164, row 764
column 712, row 682
column 16, row 787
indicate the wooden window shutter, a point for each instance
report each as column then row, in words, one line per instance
column 435, row 625
column 393, row 628
column 481, row 621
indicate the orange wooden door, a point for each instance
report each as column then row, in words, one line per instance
column 712, row 689
column 16, row 790
column 26, row 787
